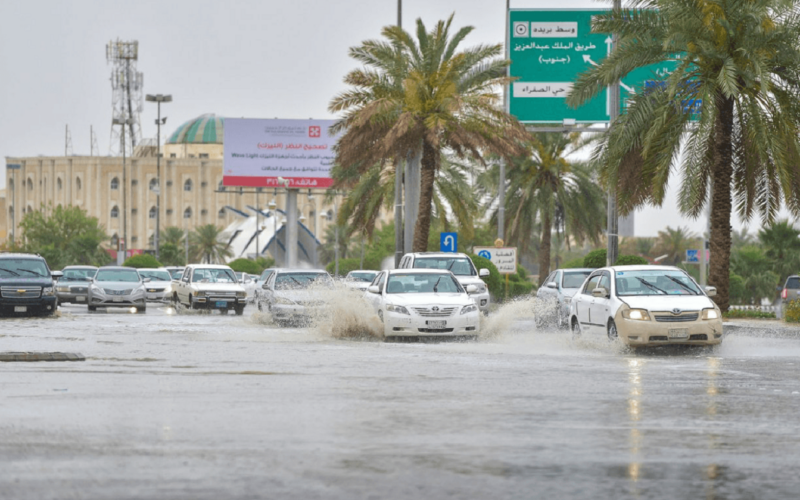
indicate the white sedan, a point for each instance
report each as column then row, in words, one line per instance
column 646, row 306
column 419, row 304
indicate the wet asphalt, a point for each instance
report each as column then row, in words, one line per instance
column 205, row 406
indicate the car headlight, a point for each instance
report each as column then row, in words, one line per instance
column 138, row 291
column 199, row 293
column 636, row 314
column 63, row 289
column 284, row 301
column 710, row 314
column 567, row 300
column 396, row 309
column 241, row 295
column 96, row 289
column 469, row 308
column 48, row 290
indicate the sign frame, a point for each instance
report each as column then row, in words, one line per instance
column 504, row 267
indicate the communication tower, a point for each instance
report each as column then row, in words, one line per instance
column 126, row 95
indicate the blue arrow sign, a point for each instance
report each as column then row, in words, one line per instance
column 692, row 256
column 448, row 242
column 486, row 254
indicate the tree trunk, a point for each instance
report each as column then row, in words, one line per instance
column 430, row 163
column 544, row 246
column 721, row 174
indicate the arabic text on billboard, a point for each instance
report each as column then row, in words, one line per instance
column 258, row 152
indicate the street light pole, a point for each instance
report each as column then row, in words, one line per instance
column 501, row 183
column 611, row 220
column 398, row 182
column 158, row 99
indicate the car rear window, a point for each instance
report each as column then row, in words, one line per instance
column 574, row 279
column 793, row 283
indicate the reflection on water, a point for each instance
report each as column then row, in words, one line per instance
column 634, row 415
column 712, row 391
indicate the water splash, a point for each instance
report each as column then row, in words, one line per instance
column 345, row 314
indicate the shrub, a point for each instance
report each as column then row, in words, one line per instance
column 631, row 260
column 595, row 259
column 791, row 311
column 345, row 266
column 573, row 264
column 522, row 272
column 142, row 261
column 494, row 282
column 243, row 265
column 739, row 313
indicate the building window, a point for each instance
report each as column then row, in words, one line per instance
column 220, row 186
column 11, row 183
column 30, row 184
column 151, row 242
column 114, row 212
column 169, row 183
column 114, row 241
column 191, row 156
column 221, row 213
column 153, row 212
column 187, row 214
column 204, row 212
column 134, row 211
column 153, row 184
column 203, row 155
column 134, row 182
column 10, row 212
column 29, row 210
column 78, row 183
column 59, row 184
column 187, row 186
column 134, row 238
column 173, row 155
column 115, row 183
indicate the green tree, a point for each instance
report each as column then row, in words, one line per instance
column 172, row 255
column 243, row 265
column 731, row 103
column 782, row 244
column 206, row 244
column 424, row 95
column 64, row 236
column 172, row 235
column 755, row 269
column 674, row 243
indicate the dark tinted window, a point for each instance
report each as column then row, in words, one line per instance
column 28, row 268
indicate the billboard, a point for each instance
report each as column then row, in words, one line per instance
column 257, row 152
column 548, row 50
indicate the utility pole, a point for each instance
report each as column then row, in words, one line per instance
column 501, row 184
column 398, row 182
column 612, row 221
column 158, row 99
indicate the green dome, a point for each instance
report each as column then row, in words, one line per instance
column 205, row 129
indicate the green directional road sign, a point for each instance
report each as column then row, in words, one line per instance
column 548, row 50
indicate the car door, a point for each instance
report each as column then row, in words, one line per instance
column 584, row 301
column 601, row 305
column 376, row 299
column 183, row 288
column 545, row 292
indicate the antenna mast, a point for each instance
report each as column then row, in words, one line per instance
column 126, row 96
column 67, row 142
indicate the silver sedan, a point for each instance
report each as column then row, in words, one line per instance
column 118, row 287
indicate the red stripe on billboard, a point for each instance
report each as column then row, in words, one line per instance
column 294, row 182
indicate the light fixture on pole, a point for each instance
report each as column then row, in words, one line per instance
column 158, row 99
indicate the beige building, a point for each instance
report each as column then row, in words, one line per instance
column 193, row 194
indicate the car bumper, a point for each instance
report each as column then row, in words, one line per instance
column 116, row 301
column 482, row 300
column 72, row 298
column 652, row 333
column 159, row 296
column 294, row 314
column 220, row 303
column 404, row 325
column 28, row 306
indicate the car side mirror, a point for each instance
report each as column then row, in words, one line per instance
column 374, row 289
column 483, row 273
column 711, row 291
column 146, row 280
column 600, row 292
column 56, row 274
column 471, row 288
column 551, row 284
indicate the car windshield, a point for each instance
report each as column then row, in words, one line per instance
column 460, row 266
column 656, row 282
column 793, row 283
column 28, row 268
column 362, row 276
column 266, row 274
column 78, row 274
column 423, row 283
column 574, row 279
column 296, row 281
column 213, row 275
column 155, row 275
column 126, row 275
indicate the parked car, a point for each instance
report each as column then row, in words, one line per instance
column 359, row 279
column 158, row 289
column 26, row 285
column 554, row 296
column 73, row 286
column 210, row 286
column 418, row 304
column 790, row 291
column 646, row 306
column 459, row 264
column 248, row 282
column 117, row 286
column 292, row 295
column 174, row 271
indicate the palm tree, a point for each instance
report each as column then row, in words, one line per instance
column 674, row 243
column 740, row 239
column 206, row 244
column 424, row 95
column 172, row 235
column 782, row 244
column 731, row 101
column 545, row 188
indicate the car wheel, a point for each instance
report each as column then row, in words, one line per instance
column 141, row 310
column 92, row 308
column 239, row 310
column 612, row 330
column 575, row 328
column 259, row 305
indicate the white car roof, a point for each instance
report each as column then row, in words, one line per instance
column 643, row 268
column 209, row 266
column 419, row 271
column 438, row 254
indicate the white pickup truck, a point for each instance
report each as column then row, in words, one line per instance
column 209, row 286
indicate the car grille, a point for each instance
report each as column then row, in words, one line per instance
column 442, row 312
column 430, row 330
column 699, row 336
column 221, row 294
column 27, row 292
column 118, row 292
column 680, row 318
column 78, row 289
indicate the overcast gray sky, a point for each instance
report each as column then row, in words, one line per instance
column 240, row 58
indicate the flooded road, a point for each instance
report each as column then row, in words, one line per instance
column 207, row 407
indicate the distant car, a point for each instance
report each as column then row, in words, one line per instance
column 158, row 289
column 646, row 306
column 261, row 283
column 292, row 296
column 210, row 286
column 555, row 294
column 117, row 286
column 26, row 285
column 360, row 279
column 73, row 286
column 174, row 271
column 415, row 304
column 248, row 282
column 459, row 264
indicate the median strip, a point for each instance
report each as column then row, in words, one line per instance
column 40, row 356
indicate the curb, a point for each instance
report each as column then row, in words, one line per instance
column 40, row 356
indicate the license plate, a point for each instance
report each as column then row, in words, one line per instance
column 437, row 325
column 80, row 299
column 20, row 309
column 678, row 333
column 117, row 299
column 221, row 303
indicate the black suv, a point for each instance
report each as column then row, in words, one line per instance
column 26, row 285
